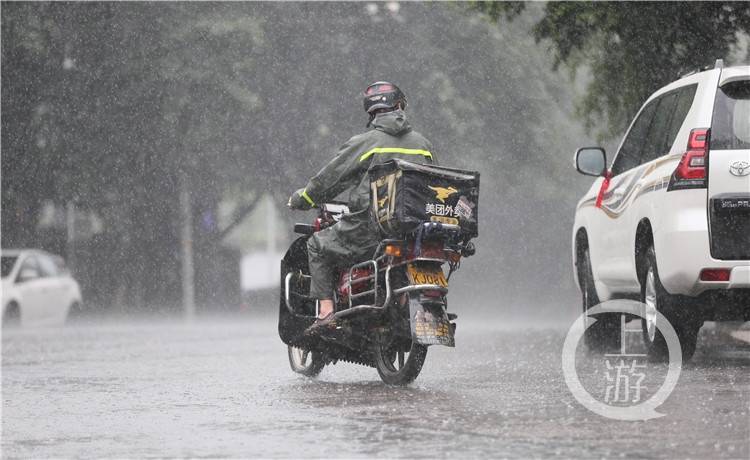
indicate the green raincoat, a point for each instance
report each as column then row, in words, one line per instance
column 355, row 237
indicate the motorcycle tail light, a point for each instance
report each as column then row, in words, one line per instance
column 432, row 250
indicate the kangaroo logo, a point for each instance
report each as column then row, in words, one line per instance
column 441, row 193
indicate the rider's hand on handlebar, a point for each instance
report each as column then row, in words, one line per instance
column 297, row 201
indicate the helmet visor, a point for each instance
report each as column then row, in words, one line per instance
column 378, row 88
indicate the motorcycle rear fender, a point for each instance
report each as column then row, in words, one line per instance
column 428, row 319
column 430, row 325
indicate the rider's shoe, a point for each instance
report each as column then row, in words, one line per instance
column 321, row 324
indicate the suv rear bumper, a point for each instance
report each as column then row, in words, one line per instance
column 683, row 252
column 719, row 305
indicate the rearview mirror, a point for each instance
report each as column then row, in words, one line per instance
column 27, row 274
column 591, row 161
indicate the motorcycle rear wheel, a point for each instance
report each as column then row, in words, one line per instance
column 396, row 366
column 305, row 362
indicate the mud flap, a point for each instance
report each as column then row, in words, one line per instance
column 430, row 325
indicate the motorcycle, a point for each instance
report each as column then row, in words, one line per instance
column 388, row 309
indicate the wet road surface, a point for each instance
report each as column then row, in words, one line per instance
column 223, row 388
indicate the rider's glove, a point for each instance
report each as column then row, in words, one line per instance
column 300, row 200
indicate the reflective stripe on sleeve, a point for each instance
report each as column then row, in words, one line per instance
column 307, row 197
column 372, row 152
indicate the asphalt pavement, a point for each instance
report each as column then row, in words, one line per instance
column 222, row 387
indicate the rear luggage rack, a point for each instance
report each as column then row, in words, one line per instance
column 374, row 291
column 365, row 279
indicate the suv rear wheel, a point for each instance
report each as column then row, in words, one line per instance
column 656, row 299
column 604, row 334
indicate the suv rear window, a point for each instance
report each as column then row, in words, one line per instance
column 731, row 122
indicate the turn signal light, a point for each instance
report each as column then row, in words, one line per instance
column 715, row 274
column 393, row 250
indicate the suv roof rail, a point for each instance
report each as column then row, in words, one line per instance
column 719, row 64
column 692, row 72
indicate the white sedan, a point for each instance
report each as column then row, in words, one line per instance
column 37, row 289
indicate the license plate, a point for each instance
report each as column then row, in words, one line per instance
column 427, row 275
column 732, row 204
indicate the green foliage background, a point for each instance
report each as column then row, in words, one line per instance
column 106, row 104
column 631, row 49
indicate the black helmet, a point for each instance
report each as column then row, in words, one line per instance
column 383, row 95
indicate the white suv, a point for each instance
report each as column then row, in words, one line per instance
column 669, row 222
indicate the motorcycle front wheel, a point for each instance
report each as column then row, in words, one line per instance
column 396, row 365
column 305, row 362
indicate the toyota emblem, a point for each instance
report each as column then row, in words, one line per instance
column 739, row 168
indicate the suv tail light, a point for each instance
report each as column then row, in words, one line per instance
column 692, row 172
